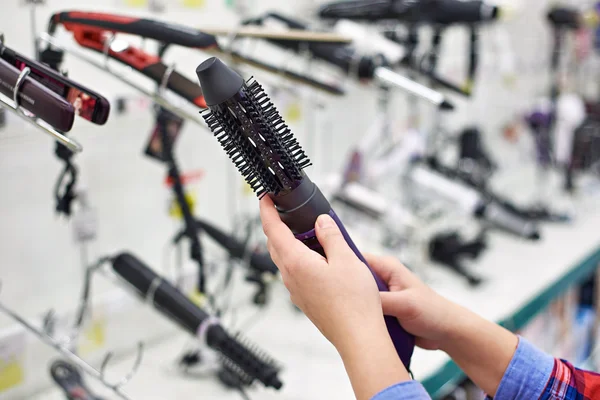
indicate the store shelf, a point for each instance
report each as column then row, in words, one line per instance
column 450, row 374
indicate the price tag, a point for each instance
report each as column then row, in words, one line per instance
column 193, row 3
column 93, row 337
column 175, row 210
column 136, row 3
column 12, row 360
column 197, row 298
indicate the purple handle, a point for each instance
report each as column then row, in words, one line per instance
column 403, row 341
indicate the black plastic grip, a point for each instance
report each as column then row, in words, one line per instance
column 166, row 298
column 463, row 12
column 366, row 10
column 443, row 12
column 37, row 99
column 157, row 30
column 238, row 250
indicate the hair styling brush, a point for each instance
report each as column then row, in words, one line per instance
column 265, row 151
column 444, row 12
column 252, row 363
column 37, row 99
column 70, row 381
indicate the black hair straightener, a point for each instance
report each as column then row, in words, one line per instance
column 91, row 29
column 87, row 103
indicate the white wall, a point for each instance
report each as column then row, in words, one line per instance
column 40, row 265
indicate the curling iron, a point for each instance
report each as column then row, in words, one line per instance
column 443, row 12
column 374, row 205
column 350, row 62
column 471, row 202
column 265, row 151
column 534, row 214
column 251, row 364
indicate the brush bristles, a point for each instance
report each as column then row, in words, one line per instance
column 258, row 141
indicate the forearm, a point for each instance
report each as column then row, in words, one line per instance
column 371, row 361
column 482, row 349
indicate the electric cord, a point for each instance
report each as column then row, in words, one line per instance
column 64, row 189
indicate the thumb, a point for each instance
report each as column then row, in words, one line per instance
column 330, row 237
column 401, row 305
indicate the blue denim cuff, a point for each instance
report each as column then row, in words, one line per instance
column 527, row 374
column 409, row 390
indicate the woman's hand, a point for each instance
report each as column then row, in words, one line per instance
column 419, row 309
column 340, row 296
column 481, row 348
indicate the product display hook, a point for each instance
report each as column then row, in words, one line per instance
column 100, row 376
column 156, row 98
column 70, row 143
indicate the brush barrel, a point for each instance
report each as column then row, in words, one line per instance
column 299, row 210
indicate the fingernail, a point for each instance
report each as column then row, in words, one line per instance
column 325, row 221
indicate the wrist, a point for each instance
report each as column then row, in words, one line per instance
column 460, row 325
column 371, row 361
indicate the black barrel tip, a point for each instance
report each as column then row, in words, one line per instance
column 446, row 106
column 219, row 82
column 534, row 236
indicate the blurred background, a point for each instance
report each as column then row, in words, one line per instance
column 532, row 268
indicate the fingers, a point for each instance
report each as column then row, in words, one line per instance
column 281, row 238
column 331, row 239
column 391, row 271
column 402, row 305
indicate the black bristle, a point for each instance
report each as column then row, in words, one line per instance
column 258, row 141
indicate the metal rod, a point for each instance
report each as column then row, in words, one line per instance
column 390, row 77
column 153, row 96
column 70, row 143
column 64, row 351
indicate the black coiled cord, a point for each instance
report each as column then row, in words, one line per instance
column 64, row 189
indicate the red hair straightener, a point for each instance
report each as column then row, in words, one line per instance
column 92, row 30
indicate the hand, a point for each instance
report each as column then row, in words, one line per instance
column 419, row 309
column 337, row 293
column 340, row 296
column 480, row 348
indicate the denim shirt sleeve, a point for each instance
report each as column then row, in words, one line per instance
column 527, row 374
column 409, row 390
